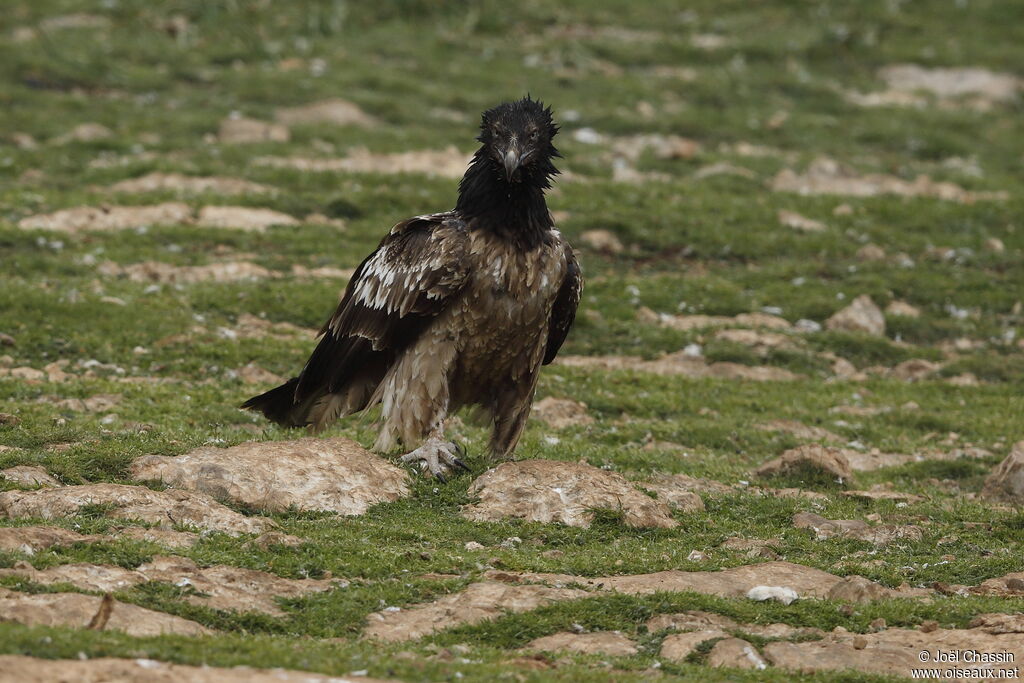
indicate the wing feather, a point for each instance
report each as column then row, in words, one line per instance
column 563, row 313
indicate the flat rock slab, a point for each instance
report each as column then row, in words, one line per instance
column 697, row 620
column 566, row 492
column 77, row 610
column 166, row 537
column 32, row 539
column 611, row 643
column 736, row 654
column 219, row 587
column 896, row 651
column 164, row 508
column 679, row 646
column 807, row 582
column 857, row 529
column 478, row 602
column 28, row 475
column 334, row 475
column 674, row 492
column 109, row 669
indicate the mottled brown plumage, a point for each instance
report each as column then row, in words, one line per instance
column 453, row 309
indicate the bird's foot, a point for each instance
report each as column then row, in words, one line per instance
column 437, row 456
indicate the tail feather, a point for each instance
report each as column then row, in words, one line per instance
column 278, row 405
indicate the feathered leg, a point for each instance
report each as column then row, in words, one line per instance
column 436, row 454
column 510, row 415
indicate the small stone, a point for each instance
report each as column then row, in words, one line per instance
column 860, row 316
column 929, row 625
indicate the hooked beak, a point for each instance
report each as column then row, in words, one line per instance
column 511, row 161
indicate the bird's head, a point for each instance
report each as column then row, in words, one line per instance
column 516, row 139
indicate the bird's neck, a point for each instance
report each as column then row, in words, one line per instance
column 515, row 211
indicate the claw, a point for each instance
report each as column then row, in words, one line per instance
column 435, row 456
column 440, row 477
column 458, row 463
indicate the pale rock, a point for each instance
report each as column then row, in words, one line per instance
column 862, row 315
column 902, row 309
column 183, row 184
column 604, row 241
column 610, row 643
column 241, row 130
column 243, row 218
column 336, row 111
column 566, row 492
column 791, row 219
column 103, row 219
column 829, row 461
column 1006, row 482
column 871, row 252
column 735, row 653
column 31, row 539
column 559, row 413
column 29, row 476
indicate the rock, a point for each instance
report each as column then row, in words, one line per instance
column 28, row 476
column 914, row 370
column 860, row 316
column 165, row 537
column 31, row 539
column 761, row 343
column 801, row 431
column 884, row 494
column 84, row 132
column 783, row 594
column 604, row 241
column 685, row 323
column 166, row 273
column 682, row 364
column 243, row 218
column 560, row 413
column 673, row 492
column 109, row 669
column 696, row 620
column 77, row 611
column 791, row 219
column 234, row 131
column 446, row 163
column 102, row 219
column 164, row 508
column 274, row 538
column 736, row 582
column 219, row 587
column 902, row 309
column 334, row 475
column 995, row 245
column 254, row 374
column 823, row 460
column 1008, row 585
column 880, row 535
column 566, row 492
column 678, row 646
column 610, row 643
column 999, row 623
column 183, row 184
column 870, row 252
column 826, row 177
column 478, row 602
column 857, row 589
column 895, row 650
column 735, row 653
column 335, row 111
column 723, row 168
column 1006, row 482
column 951, row 82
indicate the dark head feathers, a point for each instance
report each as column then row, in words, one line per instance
column 521, row 115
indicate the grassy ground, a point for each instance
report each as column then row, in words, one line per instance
column 425, row 69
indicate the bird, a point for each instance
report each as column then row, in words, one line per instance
column 453, row 309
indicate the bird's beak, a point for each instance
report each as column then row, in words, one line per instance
column 511, row 162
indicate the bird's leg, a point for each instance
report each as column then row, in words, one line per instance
column 436, row 454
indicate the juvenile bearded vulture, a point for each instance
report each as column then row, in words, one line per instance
column 453, row 309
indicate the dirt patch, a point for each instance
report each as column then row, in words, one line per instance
column 1007, row 480
column 566, row 492
column 678, row 491
column 792, row 219
column 166, row 273
column 102, row 219
column 827, row 177
column 29, row 476
column 686, row 323
column 880, row 535
column 335, row 112
column 559, row 413
column 862, row 315
column 478, row 602
column 31, row 539
column 610, row 643
column 183, row 184
column 893, row 651
column 632, row 147
column 254, row 374
column 980, row 87
column 604, row 241
column 801, row 431
column 164, row 508
column 241, row 130
column 447, row 163
column 723, row 168
column 108, row 669
column 681, row 364
column 253, row 327
column 914, row 370
column 242, row 218
column 826, row 461
column 738, row 582
column 735, row 653
column 336, row 475
column 77, row 611
column 761, row 343
column 219, row 587
column 84, row 132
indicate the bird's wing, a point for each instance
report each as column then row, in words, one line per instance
column 564, row 310
column 410, row 278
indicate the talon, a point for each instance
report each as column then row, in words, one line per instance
column 458, row 463
column 460, row 449
column 440, row 477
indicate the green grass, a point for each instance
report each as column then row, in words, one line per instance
column 711, row 246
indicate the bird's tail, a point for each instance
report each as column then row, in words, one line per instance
column 278, row 405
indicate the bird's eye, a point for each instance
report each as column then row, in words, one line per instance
column 534, row 136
